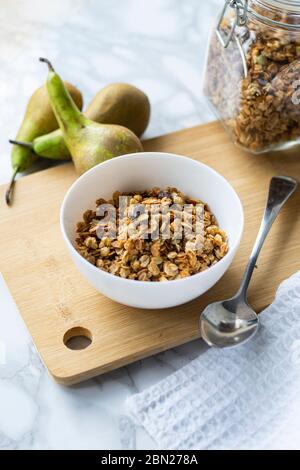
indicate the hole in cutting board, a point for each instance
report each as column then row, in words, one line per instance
column 77, row 338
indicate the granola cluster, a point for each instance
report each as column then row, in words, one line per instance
column 147, row 257
column 261, row 110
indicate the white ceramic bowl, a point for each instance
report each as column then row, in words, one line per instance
column 139, row 172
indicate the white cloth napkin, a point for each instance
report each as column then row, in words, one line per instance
column 242, row 398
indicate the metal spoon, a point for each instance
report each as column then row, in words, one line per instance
column 231, row 322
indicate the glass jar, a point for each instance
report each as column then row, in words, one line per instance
column 252, row 78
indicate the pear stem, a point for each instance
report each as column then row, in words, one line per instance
column 27, row 145
column 46, row 61
column 9, row 192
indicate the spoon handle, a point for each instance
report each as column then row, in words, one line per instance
column 281, row 188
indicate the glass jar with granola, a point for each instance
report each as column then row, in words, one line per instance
column 252, row 78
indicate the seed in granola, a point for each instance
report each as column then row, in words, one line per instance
column 124, row 272
column 208, row 245
column 80, row 226
column 172, row 255
column 144, row 261
column 88, row 216
column 153, row 268
column 192, row 258
column 91, row 242
column 91, row 259
column 157, row 260
column 105, row 251
column 114, row 267
column 135, row 264
column 105, row 242
column 118, row 244
column 218, row 239
column 170, row 269
column 155, row 249
column 100, row 263
column 177, row 199
column 143, row 276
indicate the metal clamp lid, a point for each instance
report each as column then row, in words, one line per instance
column 241, row 13
column 240, row 19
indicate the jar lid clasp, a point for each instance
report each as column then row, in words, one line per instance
column 240, row 19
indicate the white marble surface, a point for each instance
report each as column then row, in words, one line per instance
column 158, row 45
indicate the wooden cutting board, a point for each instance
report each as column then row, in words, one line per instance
column 56, row 302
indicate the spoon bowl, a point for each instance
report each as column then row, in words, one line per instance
column 228, row 323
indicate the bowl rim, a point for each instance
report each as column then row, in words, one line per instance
column 135, row 281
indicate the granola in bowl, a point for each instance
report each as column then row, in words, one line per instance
column 154, row 235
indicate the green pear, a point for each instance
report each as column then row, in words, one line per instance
column 122, row 104
column 39, row 119
column 89, row 143
column 117, row 103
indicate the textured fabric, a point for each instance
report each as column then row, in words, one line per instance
column 242, row 398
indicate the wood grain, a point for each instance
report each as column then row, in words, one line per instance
column 53, row 297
